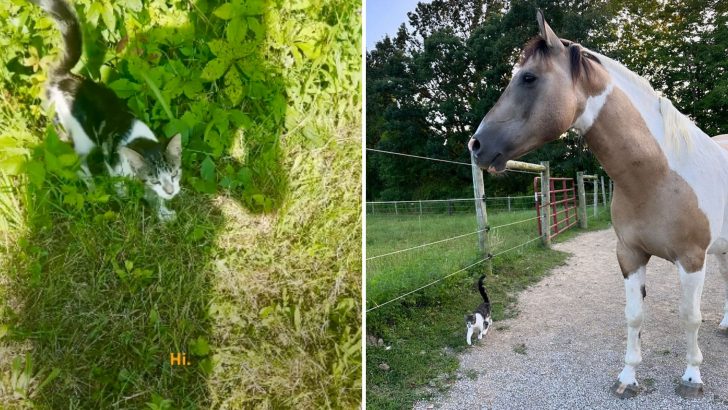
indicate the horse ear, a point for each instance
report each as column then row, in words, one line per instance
column 552, row 40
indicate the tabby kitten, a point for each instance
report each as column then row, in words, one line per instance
column 479, row 320
column 101, row 127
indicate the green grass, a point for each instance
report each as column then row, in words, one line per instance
column 426, row 330
column 95, row 293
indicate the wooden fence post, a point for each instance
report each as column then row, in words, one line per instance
column 604, row 193
column 596, row 191
column 546, row 204
column 581, row 195
column 611, row 190
column 481, row 214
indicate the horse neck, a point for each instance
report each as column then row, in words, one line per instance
column 624, row 144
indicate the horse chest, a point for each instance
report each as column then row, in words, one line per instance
column 663, row 220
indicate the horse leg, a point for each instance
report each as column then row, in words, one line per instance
column 691, row 284
column 634, row 287
column 723, row 267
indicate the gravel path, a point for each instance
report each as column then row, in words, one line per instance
column 573, row 328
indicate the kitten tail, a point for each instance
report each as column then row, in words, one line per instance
column 481, row 288
column 70, row 28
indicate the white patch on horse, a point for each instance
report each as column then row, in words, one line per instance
column 703, row 164
column 591, row 110
column 634, row 313
column 82, row 144
column 723, row 268
column 691, row 284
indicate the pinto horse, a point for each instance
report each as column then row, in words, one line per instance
column 671, row 179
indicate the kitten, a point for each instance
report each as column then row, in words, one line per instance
column 479, row 320
column 101, row 127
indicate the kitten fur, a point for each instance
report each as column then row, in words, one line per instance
column 479, row 320
column 100, row 126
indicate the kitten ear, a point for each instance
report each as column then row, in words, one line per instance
column 136, row 160
column 174, row 150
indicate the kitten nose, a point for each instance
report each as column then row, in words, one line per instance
column 168, row 188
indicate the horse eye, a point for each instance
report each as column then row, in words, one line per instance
column 528, row 78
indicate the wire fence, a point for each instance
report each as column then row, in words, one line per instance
column 406, row 252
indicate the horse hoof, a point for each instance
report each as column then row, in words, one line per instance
column 625, row 391
column 689, row 390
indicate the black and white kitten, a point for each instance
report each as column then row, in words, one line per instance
column 479, row 320
column 101, row 126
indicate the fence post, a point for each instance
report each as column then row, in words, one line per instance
column 611, row 190
column 395, row 209
column 582, row 199
column 481, row 214
column 509, row 204
column 596, row 190
column 546, row 204
column 604, row 193
column 420, row 207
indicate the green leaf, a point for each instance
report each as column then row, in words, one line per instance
column 155, row 91
column 94, row 12
column 125, row 88
column 67, row 160
column 36, row 173
column 191, row 88
column 214, row 69
column 233, row 87
column 207, row 169
column 225, row 12
column 134, row 5
column 200, row 347
column 108, row 16
column 236, row 31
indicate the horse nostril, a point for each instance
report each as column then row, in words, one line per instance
column 474, row 146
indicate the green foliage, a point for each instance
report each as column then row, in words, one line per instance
column 267, row 97
column 208, row 70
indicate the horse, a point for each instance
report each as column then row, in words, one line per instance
column 671, row 179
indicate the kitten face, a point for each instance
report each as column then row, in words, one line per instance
column 160, row 171
column 469, row 320
column 164, row 182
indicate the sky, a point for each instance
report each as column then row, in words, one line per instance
column 385, row 16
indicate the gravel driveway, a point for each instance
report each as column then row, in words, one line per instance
column 566, row 347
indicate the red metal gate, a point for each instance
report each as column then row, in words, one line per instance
column 563, row 204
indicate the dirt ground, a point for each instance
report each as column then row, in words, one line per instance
column 566, row 347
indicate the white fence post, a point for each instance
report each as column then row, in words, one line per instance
column 604, row 193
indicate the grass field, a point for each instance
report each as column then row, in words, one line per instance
column 425, row 330
column 265, row 301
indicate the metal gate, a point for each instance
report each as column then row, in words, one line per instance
column 563, row 205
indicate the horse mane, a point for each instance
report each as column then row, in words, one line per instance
column 579, row 57
column 677, row 125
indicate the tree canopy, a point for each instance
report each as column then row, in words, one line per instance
column 430, row 85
